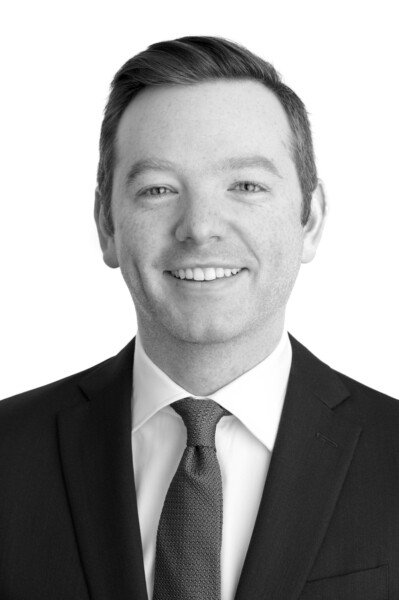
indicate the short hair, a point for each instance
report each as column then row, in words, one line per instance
column 194, row 59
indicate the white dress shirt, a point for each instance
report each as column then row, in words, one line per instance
column 244, row 443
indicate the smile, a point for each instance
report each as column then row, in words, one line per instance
column 206, row 274
column 202, row 285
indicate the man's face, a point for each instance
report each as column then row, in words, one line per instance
column 207, row 210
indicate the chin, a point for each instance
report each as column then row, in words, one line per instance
column 203, row 333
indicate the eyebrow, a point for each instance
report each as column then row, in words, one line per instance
column 234, row 163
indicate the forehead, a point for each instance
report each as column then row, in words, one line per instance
column 204, row 122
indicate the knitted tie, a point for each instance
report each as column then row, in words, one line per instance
column 187, row 562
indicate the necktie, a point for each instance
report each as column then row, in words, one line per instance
column 189, row 538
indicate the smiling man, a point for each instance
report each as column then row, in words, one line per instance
column 206, row 225
column 214, row 457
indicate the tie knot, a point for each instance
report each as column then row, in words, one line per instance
column 200, row 418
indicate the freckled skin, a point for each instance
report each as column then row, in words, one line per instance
column 201, row 215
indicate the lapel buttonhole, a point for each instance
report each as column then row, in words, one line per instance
column 326, row 440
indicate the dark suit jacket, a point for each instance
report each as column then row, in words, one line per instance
column 328, row 522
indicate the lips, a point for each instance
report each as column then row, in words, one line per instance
column 204, row 274
column 221, row 283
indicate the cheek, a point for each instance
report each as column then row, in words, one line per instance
column 127, row 241
column 138, row 241
column 281, row 244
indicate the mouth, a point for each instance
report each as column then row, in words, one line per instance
column 203, row 278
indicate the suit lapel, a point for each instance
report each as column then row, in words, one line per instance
column 313, row 451
column 95, row 444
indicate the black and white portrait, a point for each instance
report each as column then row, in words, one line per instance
column 199, row 302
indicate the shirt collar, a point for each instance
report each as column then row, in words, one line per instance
column 256, row 398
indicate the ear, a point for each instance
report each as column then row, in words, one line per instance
column 315, row 224
column 106, row 238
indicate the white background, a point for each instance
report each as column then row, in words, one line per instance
column 62, row 310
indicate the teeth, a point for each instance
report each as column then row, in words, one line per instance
column 199, row 274
column 207, row 274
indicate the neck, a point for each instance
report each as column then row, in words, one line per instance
column 202, row 369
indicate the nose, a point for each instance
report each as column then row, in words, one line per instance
column 201, row 219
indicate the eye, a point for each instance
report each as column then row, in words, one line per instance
column 154, row 191
column 250, row 187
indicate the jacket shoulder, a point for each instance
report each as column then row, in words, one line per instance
column 46, row 399
column 326, row 381
column 372, row 404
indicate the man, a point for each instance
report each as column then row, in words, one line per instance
column 208, row 201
